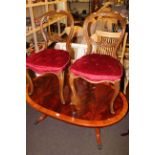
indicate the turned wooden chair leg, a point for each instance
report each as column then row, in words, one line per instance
column 61, row 84
column 116, row 92
column 40, row 119
column 98, row 137
column 31, row 88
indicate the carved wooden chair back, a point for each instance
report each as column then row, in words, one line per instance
column 51, row 60
column 100, row 65
column 107, row 40
column 56, row 32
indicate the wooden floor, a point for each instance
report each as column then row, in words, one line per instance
column 94, row 98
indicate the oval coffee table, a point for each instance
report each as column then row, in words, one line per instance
column 94, row 113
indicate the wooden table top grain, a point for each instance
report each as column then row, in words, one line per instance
column 94, row 102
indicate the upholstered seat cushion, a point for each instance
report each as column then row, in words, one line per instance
column 49, row 60
column 97, row 67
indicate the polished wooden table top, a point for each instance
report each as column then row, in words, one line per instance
column 94, row 102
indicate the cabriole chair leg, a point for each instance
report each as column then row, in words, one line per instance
column 74, row 97
column 116, row 92
column 31, row 88
column 60, row 77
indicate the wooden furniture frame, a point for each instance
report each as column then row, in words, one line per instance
column 55, row 37
column 106, row 43
column 51, row 37
column 121, row 54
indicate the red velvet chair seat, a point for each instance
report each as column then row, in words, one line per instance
column 97, row 67
column 49, row 60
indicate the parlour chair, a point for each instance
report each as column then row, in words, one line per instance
column 100, row 64
column 51, row 60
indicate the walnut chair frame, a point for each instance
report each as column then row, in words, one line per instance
column 106, row 43
column 54, row 38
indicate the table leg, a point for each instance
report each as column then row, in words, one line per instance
column 98, row 138
column 40, row 119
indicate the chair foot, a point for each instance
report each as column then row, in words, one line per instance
column 40, row 119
